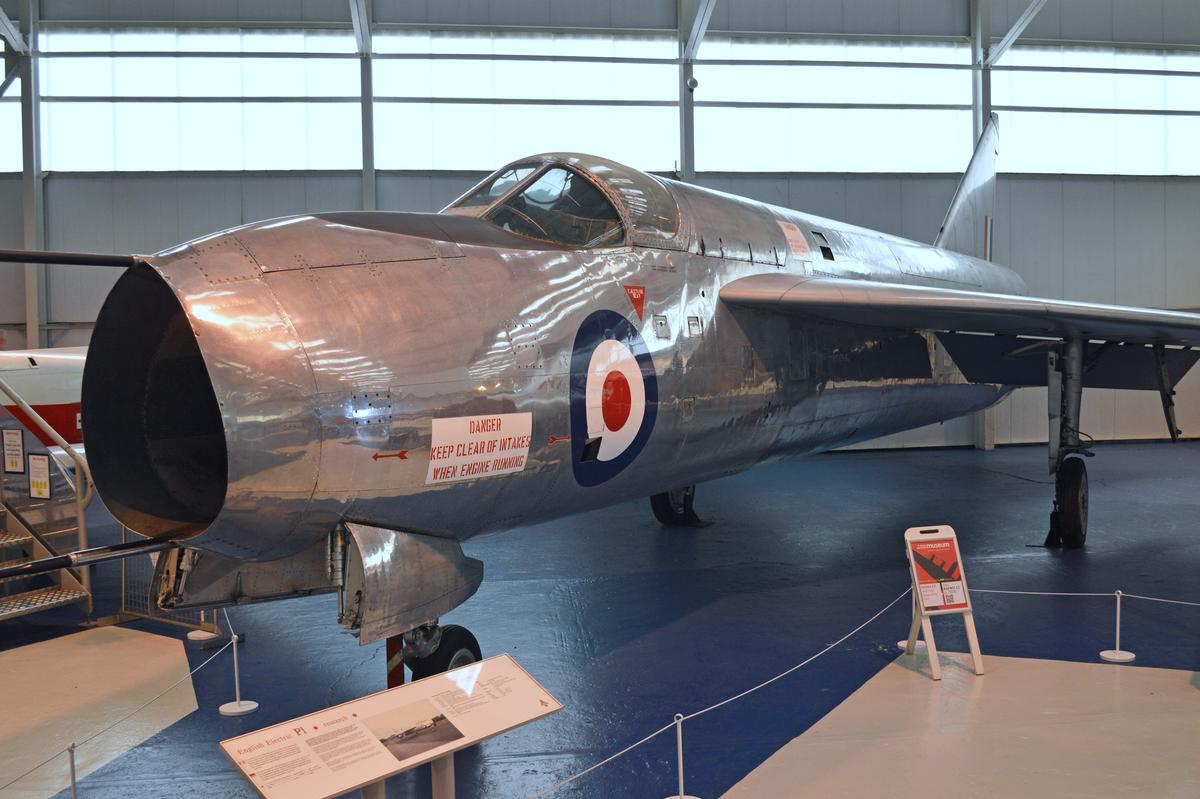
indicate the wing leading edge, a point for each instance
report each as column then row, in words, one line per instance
column 1134, row 352
column 875, row 304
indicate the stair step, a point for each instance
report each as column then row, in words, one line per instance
column 6, row 564
column 14, row 537
column 41, row 599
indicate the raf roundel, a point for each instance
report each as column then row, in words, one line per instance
column 614, row 397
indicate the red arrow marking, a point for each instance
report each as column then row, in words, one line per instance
column 559, row 439
column 402, row 455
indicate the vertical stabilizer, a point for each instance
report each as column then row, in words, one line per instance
column 967, row 227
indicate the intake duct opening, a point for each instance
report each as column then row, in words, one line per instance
column 151, row 424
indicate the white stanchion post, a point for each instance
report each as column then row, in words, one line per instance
column 238, row 707
column 71, row 760
column 1117, row 654
column 201, row 635
column 679, row 758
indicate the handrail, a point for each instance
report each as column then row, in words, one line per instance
column 80, row 464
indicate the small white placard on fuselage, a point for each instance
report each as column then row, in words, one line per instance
column 470, row 447
column 334, row 751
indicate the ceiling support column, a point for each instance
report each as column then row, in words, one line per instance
column 360, row 17
column 693, row 18
column 33, row 210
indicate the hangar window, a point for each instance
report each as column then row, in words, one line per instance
column 564, row 208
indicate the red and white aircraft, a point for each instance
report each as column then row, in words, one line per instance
column 49, row 380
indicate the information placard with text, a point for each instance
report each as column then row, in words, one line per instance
column 333, row 751
column 14, row 452
column 39, row 476
column 937, row 570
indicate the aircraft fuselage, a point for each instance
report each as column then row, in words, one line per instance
column 335, row 343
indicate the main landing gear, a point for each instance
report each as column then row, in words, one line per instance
column 1069, row 519
column 674, row 508
column 431, row 649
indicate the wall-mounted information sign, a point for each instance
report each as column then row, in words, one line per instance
column 39, row 476
column 14, row 452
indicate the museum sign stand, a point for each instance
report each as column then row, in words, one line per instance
column 361, row 743
column 939, row 589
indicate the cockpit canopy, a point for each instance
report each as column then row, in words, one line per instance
column 577, row 201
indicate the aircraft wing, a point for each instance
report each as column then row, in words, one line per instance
column 960, row 316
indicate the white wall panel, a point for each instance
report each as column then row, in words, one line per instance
column 659, row 14
column 1153, row 21
column 173, row 10
column 939, row 17
column 423, row 192
column 1182, row 243
column 1089, row 270
column 1139, row 242
column 137, row 212
column 12, row 279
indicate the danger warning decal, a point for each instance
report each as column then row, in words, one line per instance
column 469, row 447
column 614, row 397
column 795, row 239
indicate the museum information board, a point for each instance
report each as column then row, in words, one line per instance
column 333, row 751
column 939, row 588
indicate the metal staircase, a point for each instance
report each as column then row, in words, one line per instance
column 33, row 528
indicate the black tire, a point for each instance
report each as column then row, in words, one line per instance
column 458, row 648
column 674, row 508
column 1072, row 489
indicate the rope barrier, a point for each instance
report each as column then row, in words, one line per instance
column 1038, row 593
column 679, row 719
column 764, row 684
column 1160, row 599
column 128, row 715
column 802, row 663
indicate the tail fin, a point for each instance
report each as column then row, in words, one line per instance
column 967, row 227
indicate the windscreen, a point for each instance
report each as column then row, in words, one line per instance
column 497, row 186
column 562, row 207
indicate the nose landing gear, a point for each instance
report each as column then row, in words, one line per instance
column 432, row 649
column 674, row 508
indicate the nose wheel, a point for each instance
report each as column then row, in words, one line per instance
column 434, row 649
column 674, row 508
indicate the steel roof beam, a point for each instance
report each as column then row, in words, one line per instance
column 360, row 17
column 10, row 34
column 693, row 24
column 9, row 78
column 995, row 53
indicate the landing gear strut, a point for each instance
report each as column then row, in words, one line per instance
column 1068, row 520
column 674, row 508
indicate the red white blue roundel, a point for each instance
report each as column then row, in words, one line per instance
column 614, row 397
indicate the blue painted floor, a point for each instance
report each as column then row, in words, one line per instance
column 627, row 623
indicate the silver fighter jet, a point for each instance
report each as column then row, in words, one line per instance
column 332, row 402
